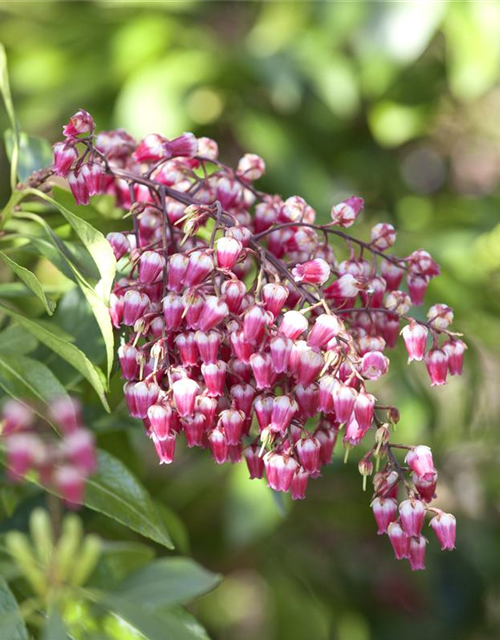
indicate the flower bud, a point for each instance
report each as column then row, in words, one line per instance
column 437, row 366
column 135, row 304
column 251, row 167
column 345, row 213
column 417, row 553
column 81, row 122
column 385, row 511
column 151, row 266
column 383, row 236
column 415, row 338
column 400, row 540
column 313, row 272
column 444, row 526
column 214, row 376
column 185, row 391
column 254, row 462
column 228, row 250
column 65, row 155
column 412, row 514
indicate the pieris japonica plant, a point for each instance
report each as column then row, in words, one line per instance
column 244, row 333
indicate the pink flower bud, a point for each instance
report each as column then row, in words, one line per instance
column 307, row 398
column 412, row 514
column 284, row 408
column 279, row 470
column 354, row 433
column 165, row 448
column 70, row 481
column 24, row 451
column 242, row 349
column 65, row 155
column 455, row 350
column 420, row 460
column 274, row 297
column 313, row 272
column 389, row 328
column 67, row 413
column 233, row 292
column 420, row 262
column 16, row 416
column 214, row 376
column 145, row 394
column 344, row 398
column 440, row 316
column 373, row 365
column 128, row 356
column 254, row 324
column 193, row 306
column 218, row 445
column 208, row 345
column 232, row 421
column 135, row 304
column 228, row 251
column 309, row 364
column 308, row 451
column 173, row 309
column 78, row 187
column 212, row 313
column 194, row 429
column 199, row 266
column 293, row 324
column 251, row 167
column 160, row 417
column 208, row 148
column 254, row 462
column 385, row 511
column 116, row 304
column 208, row 408
column 392, row 274
column 93, row 175
column 281, row 349
column 119, row 243
column 345, row 213
column 398, row 302
column 177, row 265
column 157, row 327
column 228, row 192
column 383, row 236
column 363, row 409
column 295, row 209
column 327, row 439
column 400, row 541
column 437, row 366
column 299, row 484
column 417, row 286
column 263, row 407
column 151, row 265
column 445, row 528
column 327, row 386
column 262, row 367
column 426, row 487
column 185, row 146
column 324, row 329
column 79, row 447
column 81, row 122
column 415, row 338
column 243, row 396
column 345, row 288
column 185, row 391
column 417, row 553
column 152, row 148
column 188, row 351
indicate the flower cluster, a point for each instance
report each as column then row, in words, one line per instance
column 247, row 333
column 63, row 463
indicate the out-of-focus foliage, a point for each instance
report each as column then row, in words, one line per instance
column 397, row 102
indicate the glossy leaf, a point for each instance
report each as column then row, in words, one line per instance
column 64, row 349
column 34, row 153
column 11, row 622
column 167, row 582
column 31, row 281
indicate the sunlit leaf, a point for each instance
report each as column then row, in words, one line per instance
column 9, row 106
column 34, row 153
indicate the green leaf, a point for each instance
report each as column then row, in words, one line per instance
column 76, row 358
column 24, row 378
column 93, row 240
column 168, row 581
column 11, row 622
column 9, row 106
column 34, row 153
column 31, row 281
column 118, row 561
column 15, row 339
column 54, row 628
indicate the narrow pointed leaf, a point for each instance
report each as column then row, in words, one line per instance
column 11, row 621
column 31, row 281
column 9, row 107
column 67, row 351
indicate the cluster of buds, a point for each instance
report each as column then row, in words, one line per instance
column 403, row 523
column 63, row 463
column 242, row 329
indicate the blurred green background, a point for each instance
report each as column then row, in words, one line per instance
column 398, row 103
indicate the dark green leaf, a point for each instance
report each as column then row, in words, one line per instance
column 31, row 281
column 168, row 581
column 11, row 622
column 34, row 153
column 64, row 349
column 54, row 628
column 118, row 561
column 9, row 106
column 15, row 339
